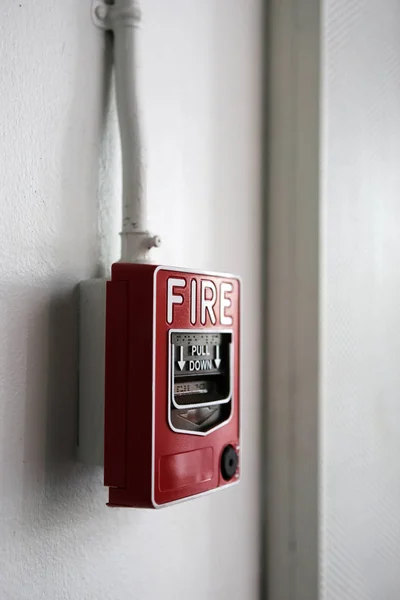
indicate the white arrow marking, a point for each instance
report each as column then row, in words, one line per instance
column 181, row 362
column 217, row 359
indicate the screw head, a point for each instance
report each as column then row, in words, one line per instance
column 156, row 241
column 229, row 462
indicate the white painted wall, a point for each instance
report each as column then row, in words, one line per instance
column 360, row 310
column 200, row 89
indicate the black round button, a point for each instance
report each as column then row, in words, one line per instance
column 229, row 462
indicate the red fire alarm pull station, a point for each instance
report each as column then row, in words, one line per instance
column 172, row 342
column 172, row 393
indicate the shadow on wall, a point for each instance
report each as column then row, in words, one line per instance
column 52, row 478
column 109, row 193
column 62, row 387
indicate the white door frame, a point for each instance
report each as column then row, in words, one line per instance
column 291, row 254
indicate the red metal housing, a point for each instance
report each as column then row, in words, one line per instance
column 148, row 462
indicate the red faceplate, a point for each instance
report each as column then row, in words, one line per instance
column 147, row 463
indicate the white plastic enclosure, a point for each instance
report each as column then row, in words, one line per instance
column 92, row 321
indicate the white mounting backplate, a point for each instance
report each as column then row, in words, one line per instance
column 92, row 332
